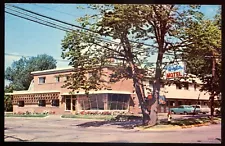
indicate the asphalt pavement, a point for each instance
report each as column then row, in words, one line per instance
column 56, row 129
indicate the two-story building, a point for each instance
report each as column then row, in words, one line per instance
column 46, row 94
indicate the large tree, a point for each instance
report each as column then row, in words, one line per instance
column 134, row 26
column 206, row 47
column 19, row 72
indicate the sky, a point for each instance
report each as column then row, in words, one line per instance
column 26, row 38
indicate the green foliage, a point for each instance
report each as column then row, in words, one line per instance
column 205, row 37
column 19, row 72
column 163, row 27
column 8, row 99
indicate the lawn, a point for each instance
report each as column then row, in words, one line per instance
column 25, row 115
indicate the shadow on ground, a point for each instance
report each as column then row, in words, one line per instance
column 129, row 122
column 122, row 124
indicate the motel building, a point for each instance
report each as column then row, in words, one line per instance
column 46, row 94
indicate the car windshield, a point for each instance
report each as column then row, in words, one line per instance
column 196, row 106
column 188, row 106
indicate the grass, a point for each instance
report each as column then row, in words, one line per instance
column 28, row 115
column 190, row 121
column 182, row 123
column 101, row 117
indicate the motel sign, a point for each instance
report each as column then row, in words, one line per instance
column 175, row 70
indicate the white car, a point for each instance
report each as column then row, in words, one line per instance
column 202, row 108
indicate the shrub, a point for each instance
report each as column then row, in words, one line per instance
column 82, row 112
column 106, row 113
column 27, row 112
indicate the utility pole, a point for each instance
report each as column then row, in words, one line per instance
column 213, row 79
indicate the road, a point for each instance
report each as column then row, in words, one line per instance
column 54, row 129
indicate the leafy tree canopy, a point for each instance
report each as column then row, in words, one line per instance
column 19, row 72
column 140, row 31
column 206, row 38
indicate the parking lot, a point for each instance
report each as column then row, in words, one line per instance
column 56, row 129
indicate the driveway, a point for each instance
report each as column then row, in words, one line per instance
column 55, row 129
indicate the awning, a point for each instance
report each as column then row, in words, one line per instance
column 99, row 92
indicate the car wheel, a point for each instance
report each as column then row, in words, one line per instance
column 185, row 113
column 173, row 112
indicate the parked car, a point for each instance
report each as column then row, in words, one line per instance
column 183, row 109
column 202, row 108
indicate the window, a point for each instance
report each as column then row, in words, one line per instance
column 179, row 102
column 118, row 101
column 195, row 86
column 93, row 102
column 178, row 85
column 57, row 79
column 42, row 80
column 172, row 103
column 41, row 103
column 68, row 103
column 55, row 102
column 96, row 101
column 186, row 85
column 67, row 77
column 21, row 103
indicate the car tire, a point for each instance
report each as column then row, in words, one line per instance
column 185, row 113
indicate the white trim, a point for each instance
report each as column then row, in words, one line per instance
column 33, row 92
column 53, row 70
column 99, row 92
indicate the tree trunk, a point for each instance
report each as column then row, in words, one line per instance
column 140, row 95
column 153, row 103
column 212, row 106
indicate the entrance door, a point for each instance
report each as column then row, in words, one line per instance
column 73, row 105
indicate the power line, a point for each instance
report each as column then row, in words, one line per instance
column 33, row 20
column 70, row 23
column 64, row 28
column 54, row 10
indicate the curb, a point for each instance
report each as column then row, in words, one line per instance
column 159, row 129
column 199, row 125
column 81, row 119
column 175, row 127
column 29, row 117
